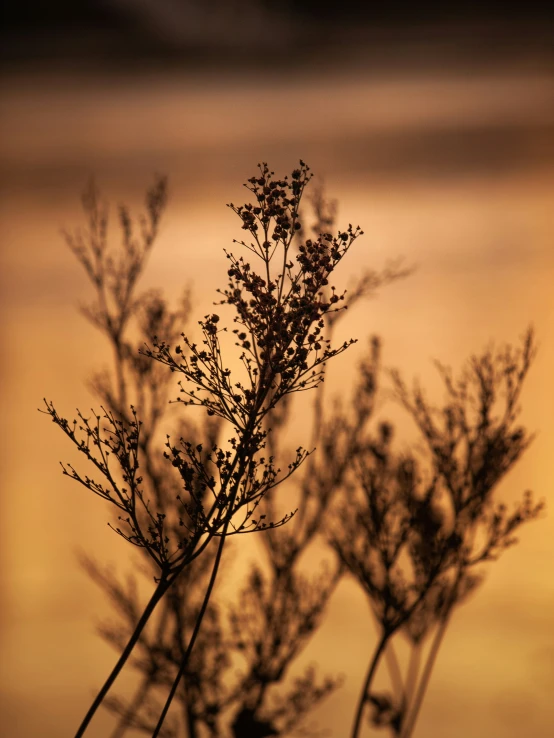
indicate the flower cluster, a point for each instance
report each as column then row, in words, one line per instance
column 280, row 312
column 205, row 475
column 281, row 317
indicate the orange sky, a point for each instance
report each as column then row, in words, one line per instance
column 454, row 173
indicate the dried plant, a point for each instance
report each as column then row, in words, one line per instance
column 472, row 443
column 411, row 527
column 281, row 317
column 416, row 526
column 254, row 705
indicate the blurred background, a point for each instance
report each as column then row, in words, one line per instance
column 432, row 125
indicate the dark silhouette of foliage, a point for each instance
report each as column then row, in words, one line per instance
column 410, row 526
column 416, row 526
column 281, row 317
column 278, row 619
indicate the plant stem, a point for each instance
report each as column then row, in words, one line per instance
column 190, row 722
column 392, row 661
column 367, row 683
column 394, row 669
column 149, row 609
column 422, row 687
column 195, row 632
column 413, row 671
column 142, row 692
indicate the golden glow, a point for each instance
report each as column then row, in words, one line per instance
column 417, row 163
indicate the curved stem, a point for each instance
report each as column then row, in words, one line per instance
column 149, row 609
column 367, row 683
column 392, row 661
column 195, row 632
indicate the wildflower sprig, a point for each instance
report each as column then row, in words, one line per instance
column 284, row 314
column 116, row 275
column 280, row 312
column 434, row 516
column 250, row 703
column 473, row 441
column 113, row 449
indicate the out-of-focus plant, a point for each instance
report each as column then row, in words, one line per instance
column 280, row 315
column 415, row 527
